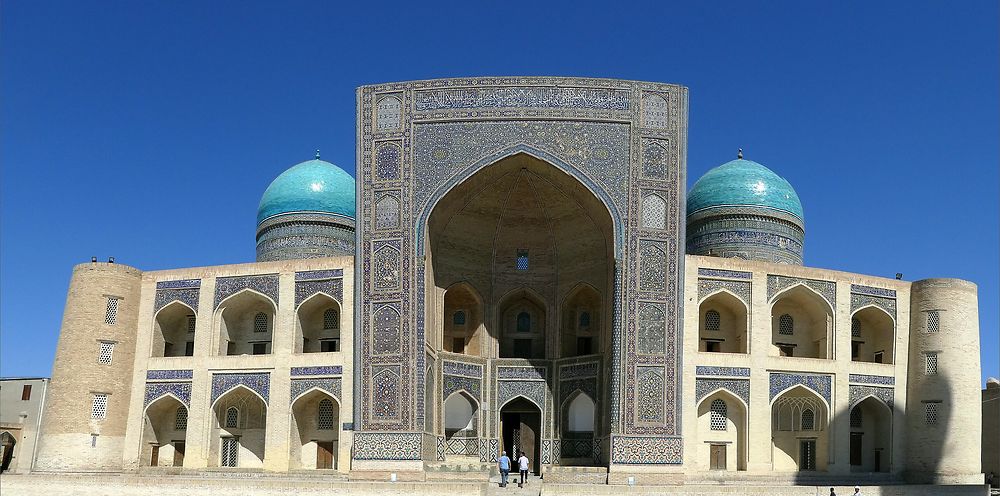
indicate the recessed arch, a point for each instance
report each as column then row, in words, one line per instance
column 173, row 330
column 731, row 330
column 582, row 326
column 523, row 322
column 729, row 394
column 805, row 387
column 797, row 287
column 726, row 428
column 870, row 435
column 800, row 428
column 242, row 446
column 239, row 388
column 811, row 316
column 873, row 335
column 163, row 438
column 315, row 427
column 465, row 335
column 236, row 323
column 521, row 396
column 312, row 334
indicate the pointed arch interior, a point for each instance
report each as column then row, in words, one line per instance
column 164, row 432
column 245, row 324
column 723, row 324
column 799, row 430
column 314, row 434
column 463, row 326
column 870, row 435
column 722, row 421
column 173, row 330
column 317, row 325
column 523, row 320
column 238, row 429
column 801, row 324
column 582, row 322
column 873, row 335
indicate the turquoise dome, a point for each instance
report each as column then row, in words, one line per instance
column 312, row 186
column 743, row 183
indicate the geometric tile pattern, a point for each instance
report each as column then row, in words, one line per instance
column 299, row 386
column 462, row 369
column 159, row 375
column 722, row 371
column 860, row 300
column 868, row 290
column 729, row 274
column 827, row 289
column 333, row 287
column 858, row 393
column 454, row 383
column 740, row 288
column 630, row 450
column 264, row 284
column 387, row 446
column 154, row 390
column 318, row 370
column 820, row 384
column 586, row 369
column 739, row 387
column 877, row 380
column 586, row 385
column 259, row 382
column 179, row 284
column 534, row 391
column 187, row 296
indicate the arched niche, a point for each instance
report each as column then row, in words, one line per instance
column 873, row 333
column 581, row 322
column 870, row 442
column 173, row 331
column 522, row 324
column 238, row 430
column 246, row 324
column 801, row 324
column 164, row 433
column 722, row 324
column 799, row 431
column 722, row 432
column 578, row 421
column 314, row 436
column 317, row 325
column 463, row 320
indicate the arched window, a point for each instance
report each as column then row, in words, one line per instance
column 324, row 417
column 232, row 417
column 856, row 419
column 785, row 324
column 260, row 322
column 719, row 414
column 584, row 320
column 808, row 420
column 712, row 320
column 458, row 318
column 181, row 419
column 330, row 318
column 523, row 322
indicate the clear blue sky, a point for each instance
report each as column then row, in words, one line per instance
column 148, row 130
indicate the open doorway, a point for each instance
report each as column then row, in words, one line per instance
column 521, row 430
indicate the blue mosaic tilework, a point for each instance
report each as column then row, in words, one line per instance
column 228, row 286
column 348, row 426
column 821, row 384
column 526, row 373
column 739, row 387
column 154, row 390
column 441, row 448
column 859, row 301
column 331, row 385
column 522, row 97
column 868, row 290
column 387, row 446
column 160, row 375
column 332, row 287
column 187, row 296
column 462, row 369
column 318, row 275
column 259, row 382
column 179, row 284
column 587, row 385
column 319, row 370
column 534, row 391
column 731, row 274
column 634, row 450
column 587, row 369
column 858, row 393
column 386, row 392
column 455, row 383
column 649, row 406
column 707, row 287
column 828, row 289
column 722, row 371
column 881, row 380
column 546, row 451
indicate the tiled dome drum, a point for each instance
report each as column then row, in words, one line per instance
column 742, row 209
column 307, row 212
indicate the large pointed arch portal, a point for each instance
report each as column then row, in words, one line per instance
column 521, row 188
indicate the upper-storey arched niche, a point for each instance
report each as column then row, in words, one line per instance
column 307, row 212
column 742, row 209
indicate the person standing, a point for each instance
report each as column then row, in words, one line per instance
column 857, row 491
column 522, row 465
column 504, row 468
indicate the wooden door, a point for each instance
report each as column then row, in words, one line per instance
column 154, row 456
column 324, row 454
column 718, row 457
column 178, row 453
column 856, row 445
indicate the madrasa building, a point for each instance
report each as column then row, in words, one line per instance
column 519, row 266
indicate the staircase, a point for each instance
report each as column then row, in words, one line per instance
column 532, row 487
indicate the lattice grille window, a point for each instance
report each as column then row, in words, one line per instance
column 100, row 407
column 933, row 321
column 808, row 420
column 330, row 318
column 111, row 315
column 786, row 325
column 459, row 318
column 107, row 349
column 855, row 328
column 856, row 418
column 230, row 452
column 713, row 321
column 232, row 417
column 191, row 323
column 931, row 413
column 931, row 364
column 181, row 419
column 325, row 415
column 260, row 322
column 719, row 414
column 522, row 259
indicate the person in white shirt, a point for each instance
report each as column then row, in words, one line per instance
column 522, row 465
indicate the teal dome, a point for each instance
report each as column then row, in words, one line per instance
column 312, row 186
column 743, row 183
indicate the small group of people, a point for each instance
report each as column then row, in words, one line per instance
column 522, row 465
column 857, row 491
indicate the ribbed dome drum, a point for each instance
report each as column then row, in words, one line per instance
column 742, row 209
column 307, row 212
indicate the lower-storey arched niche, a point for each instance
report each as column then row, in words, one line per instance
column 578, row 425
column 314, row 434
column 239, row 430
column 722, row 432
column 461, row 414
column 870, row 436
column 799, row 431
column 164, row 433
